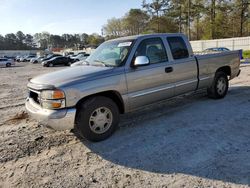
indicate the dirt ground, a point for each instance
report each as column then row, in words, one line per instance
column 189, row 141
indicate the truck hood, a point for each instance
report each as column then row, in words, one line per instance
column 71, row 74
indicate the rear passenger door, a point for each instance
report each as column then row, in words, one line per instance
column 151, row 83
column 184, row 66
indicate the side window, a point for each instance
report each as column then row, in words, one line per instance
column 178, row 47
column 154, row 49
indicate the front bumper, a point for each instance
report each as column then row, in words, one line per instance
column 62, row 119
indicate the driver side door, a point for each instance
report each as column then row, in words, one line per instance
column 151, row 83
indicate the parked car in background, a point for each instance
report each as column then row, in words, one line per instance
column 220, row 49
column 80, row 57
column 79, row 63
column 18, row 58
column 60, row 60
column 123, row 75
column 37, row 59
column 4, row 62
column 81, row 53
column 9, row 57
column 71, row 56
column 50, row 57
column 27, row 58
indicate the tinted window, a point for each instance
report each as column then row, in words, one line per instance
column 152, row 48
column 178, row 47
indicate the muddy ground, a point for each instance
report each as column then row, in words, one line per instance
column 190, row 141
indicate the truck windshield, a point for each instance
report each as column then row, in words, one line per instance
column 111, row 53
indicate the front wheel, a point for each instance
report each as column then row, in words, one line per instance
column 97, row 118
column 219, row 87
column 8, row 65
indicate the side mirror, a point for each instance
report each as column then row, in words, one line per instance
column 141, row 61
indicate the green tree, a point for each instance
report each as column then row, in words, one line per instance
column 156, row 9
column 135, row 21
column 114, row 28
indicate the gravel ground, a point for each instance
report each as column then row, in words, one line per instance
column 189, row 141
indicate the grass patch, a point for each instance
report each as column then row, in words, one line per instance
column 246, row 54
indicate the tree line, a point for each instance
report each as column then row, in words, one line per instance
column 45, row 40
column 198, row 19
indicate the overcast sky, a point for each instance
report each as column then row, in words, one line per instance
column 60, row 16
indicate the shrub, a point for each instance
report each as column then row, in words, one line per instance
column 246, row 54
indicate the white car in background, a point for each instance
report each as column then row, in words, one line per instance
column 37, row 59
column 27, row 58
column 80, row 57
column 79, row 63
column 4, row 62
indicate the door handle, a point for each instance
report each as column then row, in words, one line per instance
column 169, row 69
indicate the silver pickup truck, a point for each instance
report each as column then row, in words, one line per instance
column 122, row 75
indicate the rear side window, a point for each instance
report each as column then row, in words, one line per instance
column 152, row 48
column 178, row 47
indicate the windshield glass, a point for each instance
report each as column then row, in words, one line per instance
column 111, row 53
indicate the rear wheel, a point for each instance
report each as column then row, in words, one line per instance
column 97, row 118
column 8, row 65
column 219, row 86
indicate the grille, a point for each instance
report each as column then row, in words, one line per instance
column 35, row 96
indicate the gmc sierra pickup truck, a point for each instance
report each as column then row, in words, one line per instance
column 122, row 75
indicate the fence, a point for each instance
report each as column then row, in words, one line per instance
column 17, row 52
column 231, row 43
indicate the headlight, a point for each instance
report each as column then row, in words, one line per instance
column 52, row 99
column 52, row 94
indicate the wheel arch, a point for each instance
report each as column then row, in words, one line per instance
column 112, row 94
column 225, row 69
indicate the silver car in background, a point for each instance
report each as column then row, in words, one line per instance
column 37, row 59
column 4, row 62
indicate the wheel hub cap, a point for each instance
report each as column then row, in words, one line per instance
column 100, row 120
column 221, row 86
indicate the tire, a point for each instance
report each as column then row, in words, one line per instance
column 35, row 62
column 69, row 63
column 50, row 65
column 219, row 87
column 96, row 127
column 8, row 64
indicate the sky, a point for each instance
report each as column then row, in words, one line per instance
column 60, row 16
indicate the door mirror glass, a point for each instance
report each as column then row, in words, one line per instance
column 141, row 61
